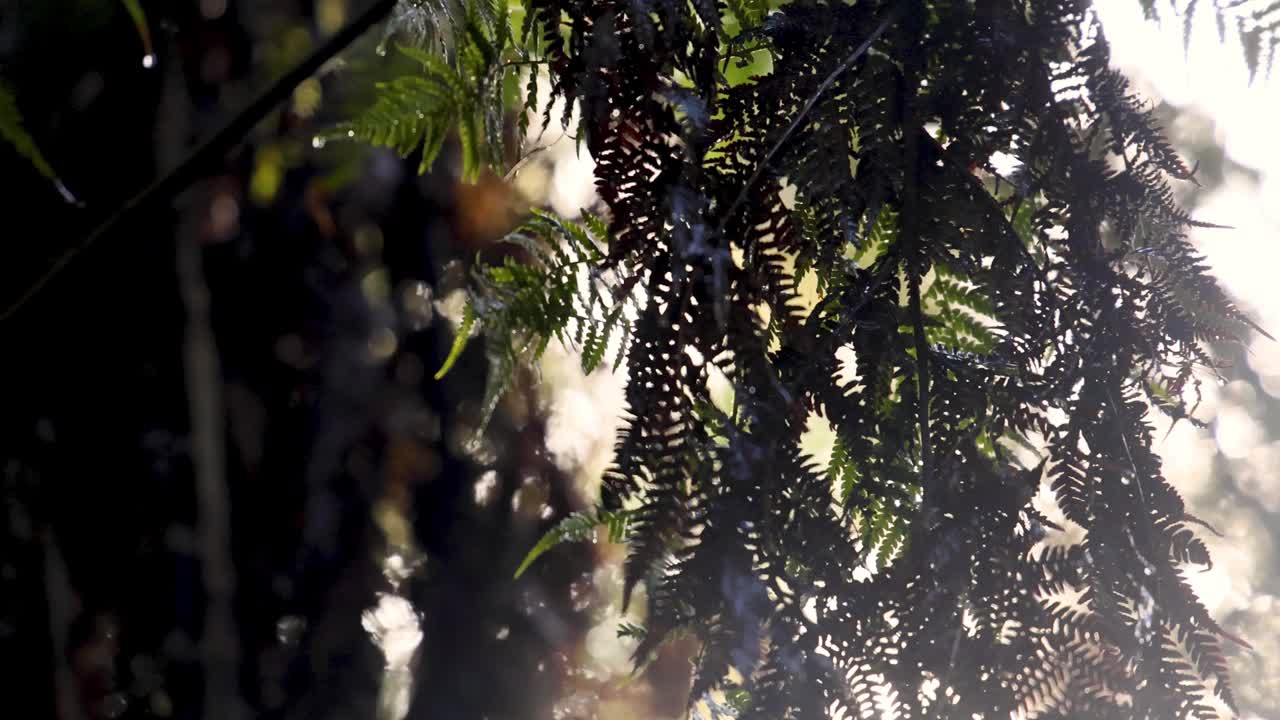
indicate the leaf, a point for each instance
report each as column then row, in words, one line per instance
column 459, row 340
column 558, row 292
column 13, row 132
column 409, row 111
column 12, row 128
column 469, row 137
column 139, row 18
column 466, row 96
column 980, row 309
column 577, row 527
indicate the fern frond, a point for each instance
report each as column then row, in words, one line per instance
column 413, row 111
column 466, row 53
column 957, row 311
column 578, row 527
column 14, row 133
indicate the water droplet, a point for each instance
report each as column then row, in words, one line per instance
column 317, row 142
column 351, row 133
column 503, row 633
column 381, row 50
column 149, row 60
column 1124, row 481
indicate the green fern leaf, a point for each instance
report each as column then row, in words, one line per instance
column 139, row 18
column 460, row 340
column 13, row 131
column 578, row 527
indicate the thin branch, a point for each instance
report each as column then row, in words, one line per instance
column 922, row 382
column 213, row 149
column 62, row 610
column 800, row 117
column 517, row 63
column 219, row 646
column 914, row 243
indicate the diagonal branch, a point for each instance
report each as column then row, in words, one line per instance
column 800, row 117
column 915, row 261
column 211, row 151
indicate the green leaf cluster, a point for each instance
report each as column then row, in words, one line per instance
column 1055, row 305
column 552, row 283
column 578, row 527
column 462, row 89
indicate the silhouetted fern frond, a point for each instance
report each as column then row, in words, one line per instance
column 1255, row 22
column 957, row 313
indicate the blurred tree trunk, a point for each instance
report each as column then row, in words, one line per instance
column 201, row 434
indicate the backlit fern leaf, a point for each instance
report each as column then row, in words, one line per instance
column 1255, row 22
column 578, row 527
column 549, row 287
column 410, row 112
column 465, row 69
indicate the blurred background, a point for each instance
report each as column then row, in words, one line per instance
column 232, row 487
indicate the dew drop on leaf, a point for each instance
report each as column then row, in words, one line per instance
column 149, row 60
column 317, row 142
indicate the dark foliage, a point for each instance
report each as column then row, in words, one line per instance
column 1055, row 304
column 104, row 605
column 966, row 318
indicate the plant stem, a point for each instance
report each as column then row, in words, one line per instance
column 915, row 260
column 800, row 117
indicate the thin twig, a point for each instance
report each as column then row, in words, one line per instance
column 62, row 610
column 212, row 150
column 529, row 61
column 914, row 260
column 220, row 647
column 524, row 159
column 799, row 119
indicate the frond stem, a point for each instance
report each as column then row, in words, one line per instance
column 518, row 63
column 800, row 117
column 915, row 262
column 922, row 380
